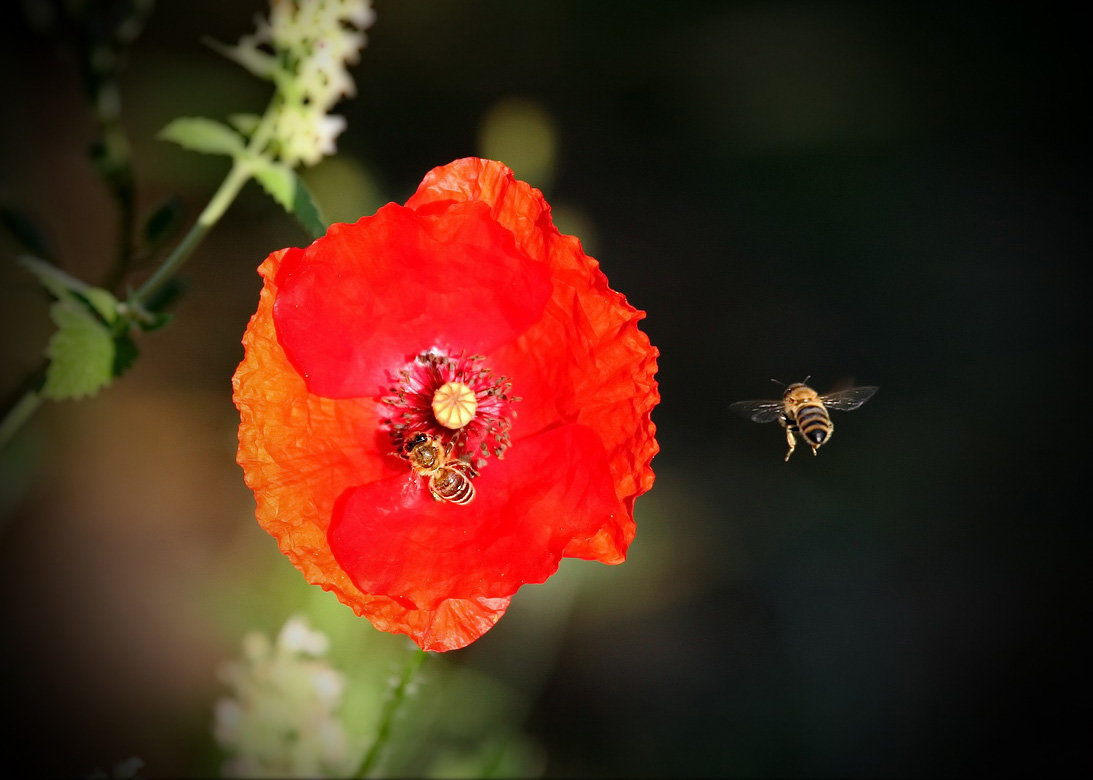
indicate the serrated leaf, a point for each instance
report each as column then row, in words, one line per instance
column 199, row 134
column 81, row 353
column 285, row 187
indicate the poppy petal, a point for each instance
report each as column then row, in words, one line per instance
column 472, row 265
column 454, row 623
column 392, row 538
column 585, row 359
column 357, row 303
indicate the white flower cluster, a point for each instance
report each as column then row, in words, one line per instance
column 281, row 721
column 305, row 48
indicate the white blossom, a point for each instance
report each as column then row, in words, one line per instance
column 305, row 48
column 281, row 718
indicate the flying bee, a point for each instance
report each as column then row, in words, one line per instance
column 449, row 478
column 804, row 412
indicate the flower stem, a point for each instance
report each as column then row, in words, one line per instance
column 239, row 174
column 390, row 711
column 23, row 408
column 18, row 414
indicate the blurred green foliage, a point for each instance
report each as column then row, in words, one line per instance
column 889, row 192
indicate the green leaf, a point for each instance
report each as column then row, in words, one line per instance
column 199, row 134
column 63, row 286
column 249, row 56
column 285, row 187
column 307, row 210
column 81, row 352
column 104, row 304
column 51, row 277
column 125, row 354
column 163, row 221
column 245, row 123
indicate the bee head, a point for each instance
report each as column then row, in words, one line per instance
column 791, row 387
column 414, row 441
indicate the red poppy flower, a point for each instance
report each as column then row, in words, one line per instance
column 441, row 401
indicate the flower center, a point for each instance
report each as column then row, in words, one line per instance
column 455, row 399
column 454, row 405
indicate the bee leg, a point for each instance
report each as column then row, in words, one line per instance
column 791, row 440
column 465, row 468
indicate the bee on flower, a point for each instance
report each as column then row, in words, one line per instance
column 465, row 335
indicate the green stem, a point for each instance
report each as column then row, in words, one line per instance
column 22, row 403
column 390, row 710
column 239, row 174
column 18, row 414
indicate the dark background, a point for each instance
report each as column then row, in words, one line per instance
column 888, row 193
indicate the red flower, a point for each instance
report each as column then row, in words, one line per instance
column 458, row 345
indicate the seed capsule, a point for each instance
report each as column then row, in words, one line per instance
column 454, row 405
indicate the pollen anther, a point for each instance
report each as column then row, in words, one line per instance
column 454, row 399
column 454, row 405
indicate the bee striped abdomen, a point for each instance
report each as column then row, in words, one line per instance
column 452, row 485
column 814, row 423
column 449, row 478
column 804, row 412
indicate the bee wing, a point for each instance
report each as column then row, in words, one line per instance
column 758, row 411
column 845, row 400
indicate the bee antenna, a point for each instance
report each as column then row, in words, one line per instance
column 806, row 379
column 780, row 384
